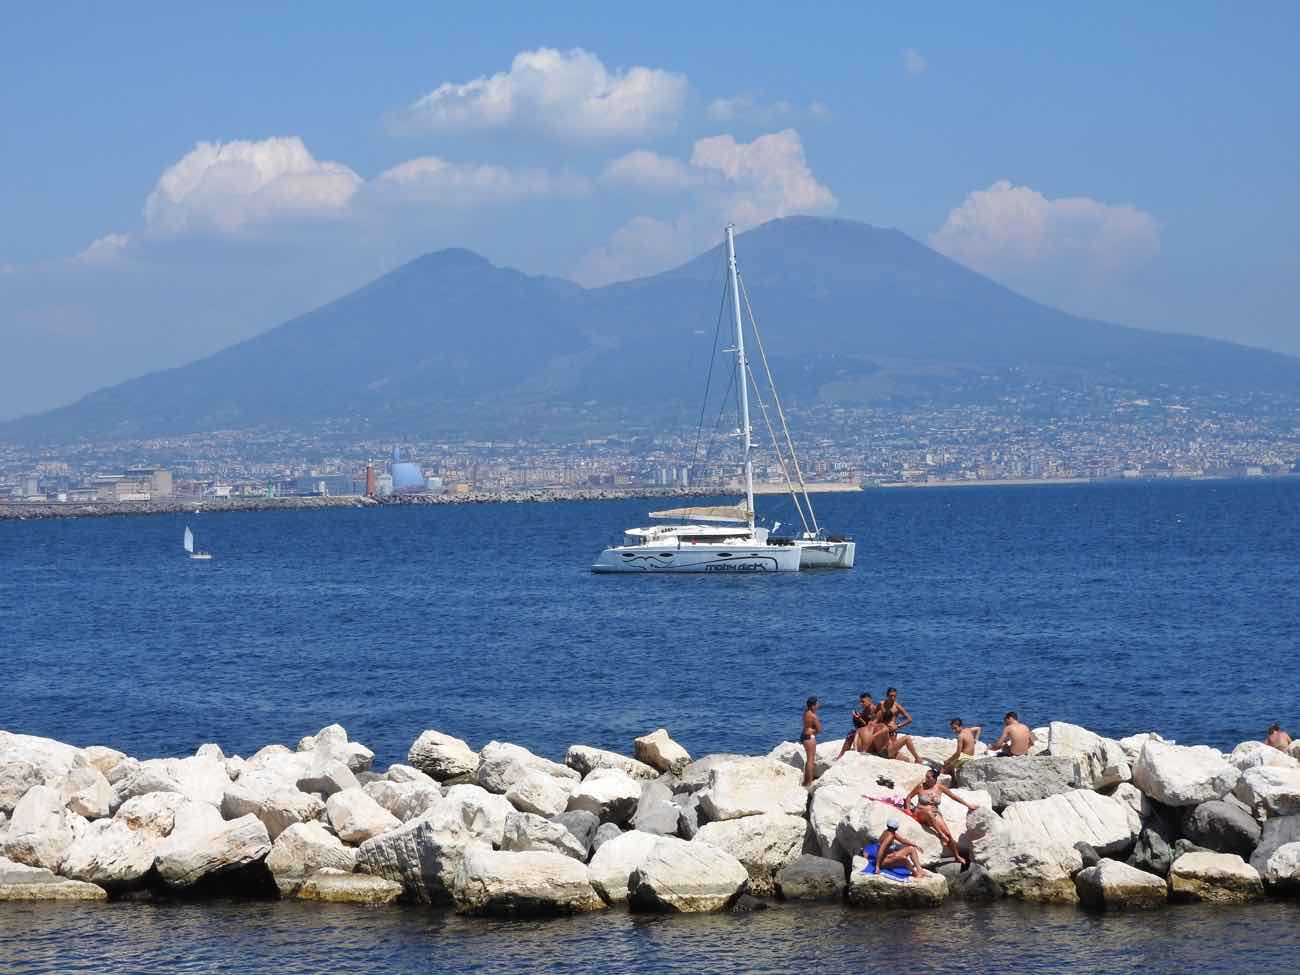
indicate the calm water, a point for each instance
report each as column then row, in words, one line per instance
column 1123, row 608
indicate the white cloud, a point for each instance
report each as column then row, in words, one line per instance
column 746, row 183
column 914, row 65
column 820, row 111
column 645, row 170
column 748, row 109
column 1010, row 231
column 234, row 187
column 106, row 250
column 442, row 183
column 565, row 94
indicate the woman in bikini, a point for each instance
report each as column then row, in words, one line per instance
column 927, row 795
column 808, row 738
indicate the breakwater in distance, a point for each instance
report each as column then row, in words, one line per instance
column 1129, row 824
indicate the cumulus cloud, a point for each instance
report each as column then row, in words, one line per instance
column 564, row 94
column 745, row 183
column 234, row 187
column 1008, row 231
column 441, row 183
column 645, row 170
column 914, row 65
column 106, row 250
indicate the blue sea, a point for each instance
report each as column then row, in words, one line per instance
column 1122, row 607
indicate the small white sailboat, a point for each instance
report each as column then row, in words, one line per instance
column 189, row 546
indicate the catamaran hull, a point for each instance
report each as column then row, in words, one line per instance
column 826, row 555
column 734, row 560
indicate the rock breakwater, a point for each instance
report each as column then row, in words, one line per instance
column 498, row 830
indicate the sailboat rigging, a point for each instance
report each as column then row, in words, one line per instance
column 188, row 545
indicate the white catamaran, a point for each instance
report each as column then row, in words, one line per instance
column 713, row 539
column 189, row 546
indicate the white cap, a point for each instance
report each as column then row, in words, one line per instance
column 892, row 823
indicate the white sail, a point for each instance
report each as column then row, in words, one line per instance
column 189, row 540
column 737, row 512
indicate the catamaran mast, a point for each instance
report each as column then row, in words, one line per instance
column 742, row 380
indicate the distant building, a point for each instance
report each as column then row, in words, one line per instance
column 160, row 480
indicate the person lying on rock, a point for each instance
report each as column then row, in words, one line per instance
column 884, row 741
column 966, row 738
column 1016, row 738
column 812, row 725
column 1278, row 738
column 891, row 710
column 893, row 852
column 861, row 719
column 927, row 794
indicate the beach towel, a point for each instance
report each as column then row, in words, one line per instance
column 896, row 873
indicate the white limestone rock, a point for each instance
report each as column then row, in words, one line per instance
column 792, row 754
column 52, row 759
column 866, row 822
column 111, row 854
column 404, row 774
column 1116, row 886
column 869, row 775
column 41, row 829
column 339, row 887
column 189, row 855
column 528, row 831
column 529, row 883
column 609, row 793
column 153, row 812
column 811, row 878
column 1099, row 762
column 1282, row 868
column 1081, row 816
column 501, row 763
column 16, row 777
column 828, row 809
column 1216, row 878
column 614, row 862
column 764, row 844
column 1179, row 775
column 532, row 790
column 883, row 891
column 1251, row 754
column 102, row 757
column 305, row 848
column 483, row 813
column 1022, row 778
column 1273, row 788
column 656, row 812
column 1132, row 745
column 331, row 736
column 750, row 787
column 582, row 826
column 659, row 751
column 1025, row 869
column 86, row 792
column 605, row 833
column 326, row 775
column 683, row 877
column 355, row 817
column 1276, row 833
column 421, row 855
column 442, row 757
column 20, row 882
column 584, row 760
column 276, row 804
column 199, row 778
column 405, row 800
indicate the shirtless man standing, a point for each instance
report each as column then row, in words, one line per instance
column 1016, row 737
column 1278, row 738
column 812, row 726
column 966, row 738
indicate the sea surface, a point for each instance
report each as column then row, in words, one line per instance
column 1122, row 607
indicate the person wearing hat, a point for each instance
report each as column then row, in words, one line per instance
column 894, row 852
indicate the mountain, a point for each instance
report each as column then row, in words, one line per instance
column 450, row 342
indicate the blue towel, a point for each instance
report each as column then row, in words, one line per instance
column 897, row 873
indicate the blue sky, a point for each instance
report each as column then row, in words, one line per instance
column 1136, row 165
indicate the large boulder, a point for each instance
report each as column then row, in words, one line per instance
column 1273, row 788
column 1080, row 816
column 871, row 775
column 883, row 891
column 1099, row 762
column 402, row 774
column 1217, row 878
column 442, row 756
column 325, row 774
column 1277, row 832
column 792, row 754
column 659, row 751
column 111, row 854
column 86, row 792
column 811, row 878
column 153, row 812
column 16, row 777
column 1281, row 869
column 1180, row 775
column 20, row 882
column 305, row 848
column 584, row 760
column 501, row 763
column 680, row 877
column 355, row 817
column 532, row 790
column 1252, row 754
column 405, row 800
column 614, row 862
column 528, row 831
column 656, row 812
column 200, row 778
column 1116, row 886
column 609, row 793
column 866, row 822
column 751, row 786
column 763, row 844
column 827, row 810
column 1023, row 868
column 41, row 829
column 422, row 855
column 582, row 826
column 526, row 883
column 1223, row 827
column 188, row 856
column 483, row 813
column 277, row 804
column 606, row 833
column 51, row 759
column 1023, row 778
column 339, row 887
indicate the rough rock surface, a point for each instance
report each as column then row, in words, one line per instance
column 1074, row 817
column 326, row 775
column 20, row 882
column 811, row 878
column 656, row 812
column 1116, row 886
column 1272, row 788
column 1277, row 832
column 792, row 754
column 751, row 786
column 337, row 887
column 609, row 793
column 1021, row 779
column 614, row 862
column 201, row 778
column 865, row 822
column 500, row 763
column 1099, row 762
column 154, row 812
column 764, row 844
column 506, row 883
column 483, row 813
column 188, row 856
column 402, row 774
column 86, row 792
column 41, row 829
column 683, row 877
column 16, row 777
column 584, row 760
column 356, row 817
column 528, row 831
column 1223, row 827
column 1024, row 869
column 406, row 799
column 864, row 774
column 305, row 848
column 532, row 790
column 582, row 826
column 1178, row 775
column 883, row 891
column 442, row 757
column 276, row 803
column 1281, row 870
column 659, row 751
column 607, row 833
column 111, row 854
column 421, row 855
column 1218, row 878
column 1252, row 754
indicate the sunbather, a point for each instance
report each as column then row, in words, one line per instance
column 966, row 738
column 927, row 795
column 894, row 852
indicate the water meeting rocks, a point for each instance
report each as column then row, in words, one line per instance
column 883, row 891
column 811, row 878
column 421, row 855
column 764, row 844
column 681, row 877
column 615, row 860
column 189, row 855
column 1117, row 886
column 337, row 887
column 522, row 883
column 1219, row 878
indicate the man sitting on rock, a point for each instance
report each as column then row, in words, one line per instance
column 856, row 737
column 966, row 738
column 1016, row 738
column 882, row 739
column 1278, row 738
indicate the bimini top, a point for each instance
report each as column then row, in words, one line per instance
column 738, row 513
